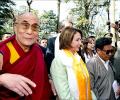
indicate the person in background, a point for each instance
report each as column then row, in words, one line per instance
column 93, row 38
column 110, row 35
column 23, row 75
column 6, row 36
column 94, row 41
column 43, row 42
column 43, row 45
column 88, row 48
column 53, row 44
column 68, row 71
column 101, row 70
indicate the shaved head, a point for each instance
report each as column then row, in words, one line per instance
column 25, row 15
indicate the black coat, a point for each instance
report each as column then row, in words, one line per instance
column 50, row 52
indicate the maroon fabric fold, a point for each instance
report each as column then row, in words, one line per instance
column 30, row 65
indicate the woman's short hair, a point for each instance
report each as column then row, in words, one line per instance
column 66, row 37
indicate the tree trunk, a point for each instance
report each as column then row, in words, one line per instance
column 58, row 16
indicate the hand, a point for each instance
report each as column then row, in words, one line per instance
column 53, row 87
column 17, row 83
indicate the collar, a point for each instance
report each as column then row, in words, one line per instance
column 106, row 63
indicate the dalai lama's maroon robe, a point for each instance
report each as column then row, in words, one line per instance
column 30, row 65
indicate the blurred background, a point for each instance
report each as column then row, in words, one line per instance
column 93, row 17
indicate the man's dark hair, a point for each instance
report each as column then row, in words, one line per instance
column 101, row 42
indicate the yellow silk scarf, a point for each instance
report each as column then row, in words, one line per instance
column 82, row 76
column 13, row 53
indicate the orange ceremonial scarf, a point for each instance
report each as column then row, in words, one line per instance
column 82, row 76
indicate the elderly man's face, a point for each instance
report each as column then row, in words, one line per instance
column 26, row 28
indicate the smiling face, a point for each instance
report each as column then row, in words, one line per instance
column 26, row 29
column 70, row 39
column 91, row 44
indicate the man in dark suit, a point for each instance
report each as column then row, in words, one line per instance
column 50, row 52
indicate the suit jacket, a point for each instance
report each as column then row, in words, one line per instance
column 101, row 79
column 50, row 52
column 43, row 50
column 117, row 64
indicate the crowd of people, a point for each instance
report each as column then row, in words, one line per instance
column 66, row 67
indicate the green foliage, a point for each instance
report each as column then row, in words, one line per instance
column 9, row 26
column 84, row 13
column 48, row 22
column 6, row 13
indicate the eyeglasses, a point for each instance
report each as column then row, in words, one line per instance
column 26, row 26
column 108, row 51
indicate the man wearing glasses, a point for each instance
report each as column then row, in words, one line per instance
column 23, row 75
column 101, row 71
